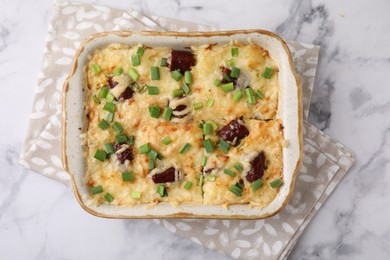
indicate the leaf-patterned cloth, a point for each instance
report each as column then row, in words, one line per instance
column 325, row 161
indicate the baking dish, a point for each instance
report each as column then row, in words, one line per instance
column 289, row 111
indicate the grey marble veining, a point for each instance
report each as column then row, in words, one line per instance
column 40, row 219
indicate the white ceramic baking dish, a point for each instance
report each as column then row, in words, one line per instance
column 289, row 111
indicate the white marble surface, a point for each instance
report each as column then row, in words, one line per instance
column 40, row 219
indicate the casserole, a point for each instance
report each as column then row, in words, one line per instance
column 288, row 112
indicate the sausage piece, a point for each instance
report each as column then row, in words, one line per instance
column 181, row 60
column 127, row 94
column 125, row 155
column 257, row 168
column 233, row 132
column 166, row 176
column 112, row 83
column 227, row 71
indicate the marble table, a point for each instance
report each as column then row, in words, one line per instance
column 40, row 219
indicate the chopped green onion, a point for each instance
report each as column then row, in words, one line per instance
column 211, row 178
column 140, row 51
column 135, row 194
column 188, row 77
column 122, row 138
column 213, row 125
column 186, row 88
column 151, row 164
column 201, row 180
column 109, row 197
column 227, row 77
column 104, row 124
column 127, row 176
column 167, row 140
column 145, row 148
column 117, row 127
column 276, row 183
column 230, row 62
column 259, row 94
column 256, row 185
column 176, row 75
column 155, row 73
column 154, row 111
column 229, row 172
column 223, row 145
column 95, row 68
column 207, row 128
column 234, row 52
column 217, row 82
column 201, row 126
column 118, row 71
column 97, row 189
column 185, row 148
column 103, row 92
column 100, row 155
column 152, row 154
column 133, row 74
column 163, row 62
column 268, row 73
column 131, row 139
column 178, row 93
column 204, row 161
column 153, row 90
column 208, row 145
column 110, row 117
column 198, row 106
column 235, row 72
column 167, row 113
column 238, row 167
column 251, row 99
column 109, row 106
column 237, row 96
column 110, row 97
column 135, row 60
column 187, row 185
column 109, row 148
column 236, row 190
column 210, row 102
column 161, row 190
column 97, row 101
column 159, row 156
column 228, row 87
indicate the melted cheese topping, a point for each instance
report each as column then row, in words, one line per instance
column 134, row 116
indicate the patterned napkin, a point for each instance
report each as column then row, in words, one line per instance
column 325, row 160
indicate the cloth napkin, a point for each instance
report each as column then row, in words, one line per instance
column 325, row 160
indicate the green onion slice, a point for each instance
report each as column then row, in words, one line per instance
column 259, row 94
column 152, row 90
column 164, row 62
column 276, row 183
column 109, row 148
column 201, row 180
column 155, row 73
column 178, row 93
column 229, row 172
column 207, row 128
column 97, row 189
column 198, row 106
column 238, row 167
column 135, row 60
column 110, row 117
column 186, row 88
column 217, row 82
column 256, row 185
column 109, row 106
column 122, row 138
column 214, row 126
column 135, row 194
column 118, row 71
column 237, row 96
column 154, row 111
column 210, row 102
column 234, row 52
column 108, row 197
column 152, row 154
column 167, row 113
column 235, row 72
column 127, row 176
column 131, row 139
column 160, row 189
column 104, row 124
column 208, row 145
column 188, row 77
column 211, row 178
column 223, row 145
column 96, row 68
column 230, row 62
column 133, row 74
column 204, row 161
column 267, row 73
column 236, row 189
column 167, row 140
column 228, row 87
column 145, row 148
column 110, row 97
column 251, row 99
column 103, row 92
column 95, row 98
column 151, row 164
column 176, row 75
column 187, row 185
column 100, row 155
column 140, row 51
column 117, row 127
column 185, row 148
